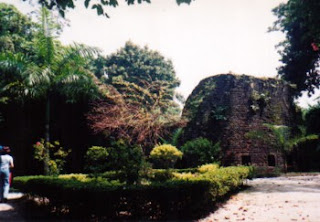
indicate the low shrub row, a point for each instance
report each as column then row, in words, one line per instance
column 182, row 196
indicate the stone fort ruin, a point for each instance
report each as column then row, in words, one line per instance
column 226, row 107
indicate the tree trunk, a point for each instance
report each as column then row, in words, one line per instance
column 47, row 139
column 284, row 157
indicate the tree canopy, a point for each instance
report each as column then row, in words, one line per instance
column 142, row 105
column 52, row 69
column 300, row 21
column 16, row 30
column 312, row 119
column 99, row 5
column 133, row 67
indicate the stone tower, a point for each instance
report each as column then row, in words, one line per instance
column 224, row 108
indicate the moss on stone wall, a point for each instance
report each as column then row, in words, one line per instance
column 225, row 107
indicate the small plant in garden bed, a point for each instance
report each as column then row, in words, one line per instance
column 51, row 154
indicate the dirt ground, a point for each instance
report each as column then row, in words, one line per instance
column 283, row 199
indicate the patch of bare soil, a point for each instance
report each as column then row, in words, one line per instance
column 283, row 199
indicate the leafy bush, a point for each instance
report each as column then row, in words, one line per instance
column 160, row 175
column 126, row 158
column 184, row 176
column 165, row 156
column 208, row 167
column 79, row 176
column 122, row 161
column 185, row 196
column 96, row 159
column 200, row 151
column 111, row 175
column 226, row 179
column 51, row 154
column 186, row 170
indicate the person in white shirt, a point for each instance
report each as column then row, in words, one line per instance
column 6, row 162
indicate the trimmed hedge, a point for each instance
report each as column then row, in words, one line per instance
column 181, row 197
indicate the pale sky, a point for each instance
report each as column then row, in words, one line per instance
column 205, row 38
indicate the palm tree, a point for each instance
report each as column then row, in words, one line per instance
column 53, row 69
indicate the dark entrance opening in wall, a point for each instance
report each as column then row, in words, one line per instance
column 271, row 160
column 246, row 160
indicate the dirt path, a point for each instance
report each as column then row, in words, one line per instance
column 283, row 199
column 11, row 211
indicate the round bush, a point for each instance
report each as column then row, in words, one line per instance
column 96, row 159
column 165, row 156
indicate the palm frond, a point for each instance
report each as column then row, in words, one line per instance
column 11, row 64
column 76, row 54
column 38, row 75
column 281, row 132
column 298, row 140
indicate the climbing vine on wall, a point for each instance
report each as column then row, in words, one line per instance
column 197, row 99
column 258, row 101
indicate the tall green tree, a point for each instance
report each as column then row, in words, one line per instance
column 140, row 66
column 16, row 33
column 132, row 70
column 143, row 107
column 54, row 69
column 300, row 21
column 312, row 119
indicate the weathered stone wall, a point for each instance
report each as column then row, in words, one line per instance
column 226, row 107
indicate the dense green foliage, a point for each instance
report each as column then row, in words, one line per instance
column 127, row 159
column 140, row 72
column 312, row 119
column 16, row 34
column 200, row 151
column 165, row 156
column 139, row 65
column 310, row 152
column 181, row 197
column 45, row 70
column 16, row 30
column 300, row 21
column 47, row 67
column 96, row 159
